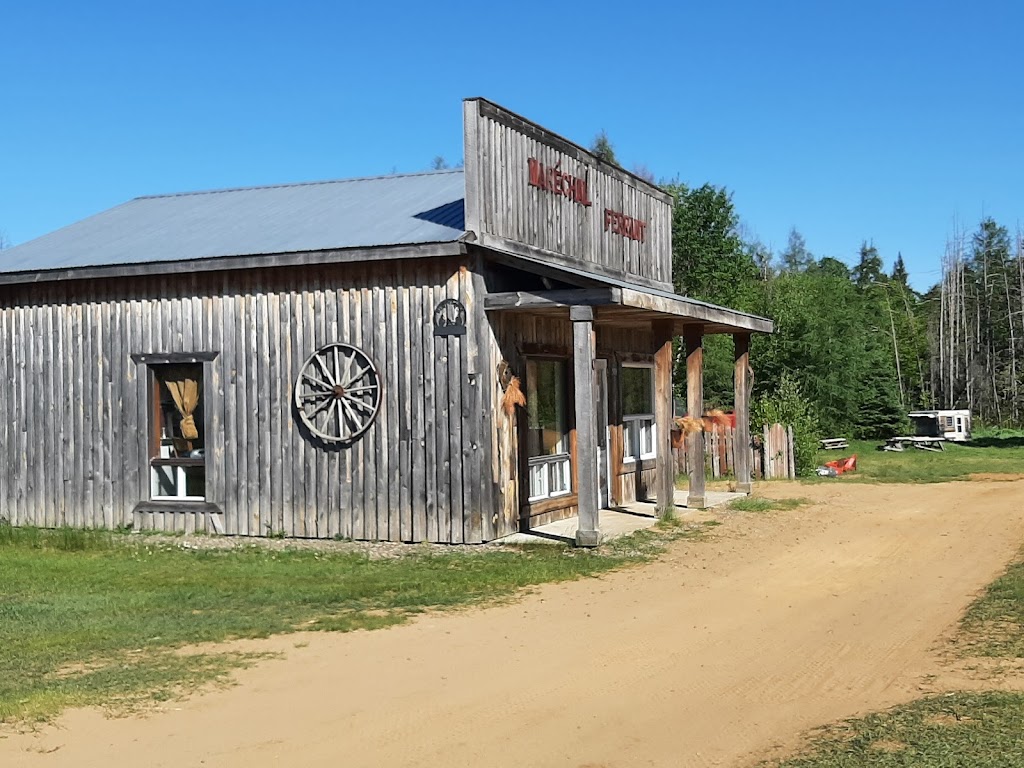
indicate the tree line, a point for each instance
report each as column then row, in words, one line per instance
column 856, row 347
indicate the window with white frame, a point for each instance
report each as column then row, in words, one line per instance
column 638, row 429
column 547, row 436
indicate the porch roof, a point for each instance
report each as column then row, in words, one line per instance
column 630, row 306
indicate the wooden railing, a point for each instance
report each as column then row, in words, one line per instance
column 772, row 453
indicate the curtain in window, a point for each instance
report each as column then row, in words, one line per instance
column 185, row 393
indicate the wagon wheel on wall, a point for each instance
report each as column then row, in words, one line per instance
column 337, row 393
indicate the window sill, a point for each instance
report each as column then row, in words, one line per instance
column 647, row 462
column 549, row 497
column 549, row 504
column 178, row 505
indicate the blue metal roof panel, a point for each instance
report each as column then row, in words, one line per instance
column 353, row 213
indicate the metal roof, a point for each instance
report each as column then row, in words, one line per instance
column 289, row 218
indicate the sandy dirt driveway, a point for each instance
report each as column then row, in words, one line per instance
column 718, row 652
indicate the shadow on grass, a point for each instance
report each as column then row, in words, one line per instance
column 996, row 442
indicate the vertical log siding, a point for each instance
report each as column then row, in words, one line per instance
column 507, row 209
column 74, row 416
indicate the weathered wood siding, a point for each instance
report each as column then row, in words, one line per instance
column 74, row 420
column 507, row 213
column 520, row 335
column 516, row 337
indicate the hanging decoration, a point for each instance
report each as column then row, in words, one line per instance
column 450, row 318
column 337, row 393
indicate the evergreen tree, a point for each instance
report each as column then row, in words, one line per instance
column 869, row 269
column 899, row 270
column 830, row 267
column 796, row 257
column 602, row 147
column 880, row 414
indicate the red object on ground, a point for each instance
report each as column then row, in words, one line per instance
column 848, row 464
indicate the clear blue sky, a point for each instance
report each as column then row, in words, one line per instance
column 851, row 120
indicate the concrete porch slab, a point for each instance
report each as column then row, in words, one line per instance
column 614, row 523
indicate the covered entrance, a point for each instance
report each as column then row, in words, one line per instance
column 609, row 414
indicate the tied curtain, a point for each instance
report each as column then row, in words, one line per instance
column 185, row 393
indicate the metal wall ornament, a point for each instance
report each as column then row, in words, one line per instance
column 450, row 318
column 338, row 393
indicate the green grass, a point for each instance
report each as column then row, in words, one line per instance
column 97, row 618
column 994, row 624
column 973, row 730
column 761, row 504
column 984, row 455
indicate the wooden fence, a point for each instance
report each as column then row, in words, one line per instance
column 772, row 453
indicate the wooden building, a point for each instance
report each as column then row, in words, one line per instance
column 446, row 357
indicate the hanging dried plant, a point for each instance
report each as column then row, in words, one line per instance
column 707, row 423
column 690, row 425
column 715, row 418
column 512, row 397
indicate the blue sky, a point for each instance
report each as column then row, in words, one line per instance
column 886, row 121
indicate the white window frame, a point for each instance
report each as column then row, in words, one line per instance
column 542, row 467
column 635, row 424
column 180, row 484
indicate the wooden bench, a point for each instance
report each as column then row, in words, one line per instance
column 834, row 443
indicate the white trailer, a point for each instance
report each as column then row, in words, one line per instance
column 954, row 426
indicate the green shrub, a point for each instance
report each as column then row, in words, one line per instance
column 787, row 405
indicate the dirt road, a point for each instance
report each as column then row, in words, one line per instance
column 711, row 656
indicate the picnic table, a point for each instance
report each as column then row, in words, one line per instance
column 833, row 443
column 921, row 443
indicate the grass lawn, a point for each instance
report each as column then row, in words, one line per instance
column 97, row 618
column 994, row 625
column 973, row 730
column 985, row 455
column 760, row 504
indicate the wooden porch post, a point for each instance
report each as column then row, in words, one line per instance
column 741, row 392
column 694, row 336
column 589, row 532
column 662, row 330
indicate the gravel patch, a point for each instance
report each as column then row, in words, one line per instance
column 374, row 550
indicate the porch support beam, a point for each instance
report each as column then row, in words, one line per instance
column 694, row 337
column 742, row 376
column 662, row 331
column 589, row 532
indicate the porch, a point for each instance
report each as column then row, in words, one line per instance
column 593, row 507
column 620, row 521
